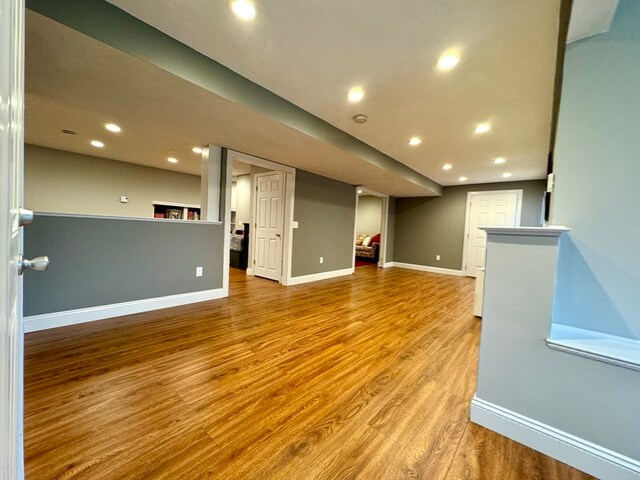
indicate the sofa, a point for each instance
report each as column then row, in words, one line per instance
column 367, row 246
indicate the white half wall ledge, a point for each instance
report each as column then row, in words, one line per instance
column 577, row 452
column 315, row 277
column 426, row 268
column 620, row 351
column 65, row 318
column 550, row 231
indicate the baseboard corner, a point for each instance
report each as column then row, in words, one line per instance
column 567, row 448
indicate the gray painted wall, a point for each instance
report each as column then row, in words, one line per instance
column 593, row 400
column 597, row 166
column 430, row 226
column 100, row 261
column 66, row 182
column 325, row 210
column 369, row 214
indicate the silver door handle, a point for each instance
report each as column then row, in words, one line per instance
column 25, row 217
column 38, row 263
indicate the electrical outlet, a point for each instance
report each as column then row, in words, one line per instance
column 124, row 199
column 438, row 258
column 199, row 271
column 321, row 259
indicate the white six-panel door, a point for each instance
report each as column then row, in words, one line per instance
column 496, row 209
column 268, row 229
column 11, row 153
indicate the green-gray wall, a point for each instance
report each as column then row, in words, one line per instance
column 325, row 210
column 430, row 226
column 597, row 167
column 58, row 181
column 101, row 261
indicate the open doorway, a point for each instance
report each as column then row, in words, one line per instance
column 370, row 228
column 261, row 216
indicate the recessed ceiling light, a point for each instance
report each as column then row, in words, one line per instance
column 69, row 132
column 355, row 94
column 447, row 61
column 112, row 127
column 463, row 179
column 499, row 160
column 243, row 9
column 447, row 166
column 482, row 128
column 413, row 141
column 506, row 174
column 97, row 143
column 197, row 150
column 172, row 159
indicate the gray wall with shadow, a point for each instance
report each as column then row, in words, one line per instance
column 430, row 226
column 100, row 261
column 326, row 212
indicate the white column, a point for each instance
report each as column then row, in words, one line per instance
column 211, row 170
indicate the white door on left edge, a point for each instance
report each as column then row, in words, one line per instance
column 11, row 167
column 269, row 225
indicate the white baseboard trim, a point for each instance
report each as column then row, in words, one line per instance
column 425, row 268
column 577, row 452
column 388, row 264
column 320, row 276
column 250, row 271
column 44, row 321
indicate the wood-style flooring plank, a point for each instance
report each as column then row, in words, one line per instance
column 368, row 376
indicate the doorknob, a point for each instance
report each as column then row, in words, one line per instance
column 278, row 235
column 25, row 217
column 38, row 263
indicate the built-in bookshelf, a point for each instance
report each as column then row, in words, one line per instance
column 176, row 211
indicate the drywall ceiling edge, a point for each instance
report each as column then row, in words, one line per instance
column 116, row 28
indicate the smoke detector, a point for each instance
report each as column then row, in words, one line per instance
column 360, row 118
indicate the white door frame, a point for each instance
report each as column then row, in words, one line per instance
column 289, row 194
column 467, row 220
column 12, row 28
column 384, row 221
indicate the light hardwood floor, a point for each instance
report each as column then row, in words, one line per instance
column 367, row 376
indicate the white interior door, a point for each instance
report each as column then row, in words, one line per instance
column 268, row 228
column 11, row 153
column 495, row 209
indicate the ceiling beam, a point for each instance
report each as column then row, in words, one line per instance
column 118, row 29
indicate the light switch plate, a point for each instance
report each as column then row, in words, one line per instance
column 294, row 224
column 199, row 271
column 124, row 199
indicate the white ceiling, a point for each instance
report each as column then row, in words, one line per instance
column 311, row 52
column 75, row 82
